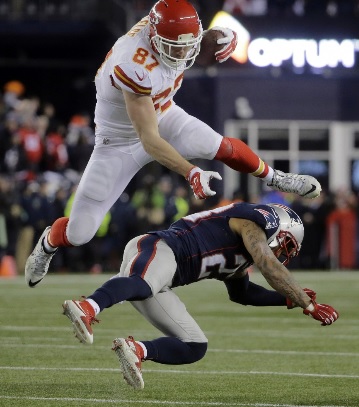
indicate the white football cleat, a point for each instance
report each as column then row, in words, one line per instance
column 38, row 262
column 303, row 185
column 130, row 355
column 82, row 316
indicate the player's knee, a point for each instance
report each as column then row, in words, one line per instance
column 197, row 351
column 225, row 150
column 140, row 288
column 81, row 230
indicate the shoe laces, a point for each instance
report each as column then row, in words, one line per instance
column 136, row 349
column 91, row 318
column 287, row 182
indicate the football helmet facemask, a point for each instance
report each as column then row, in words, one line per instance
column 175, row 32
column 288, row 239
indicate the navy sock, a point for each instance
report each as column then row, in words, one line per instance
column 172, row 351
column 245, row 292
column 119, row 289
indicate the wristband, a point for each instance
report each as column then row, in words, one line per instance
column 310, row 307
column 189, row 173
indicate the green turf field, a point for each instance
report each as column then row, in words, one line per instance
column 263, row 357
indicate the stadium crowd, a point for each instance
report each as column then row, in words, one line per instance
column 57, row 10
column 42, row 159
column 298, row 8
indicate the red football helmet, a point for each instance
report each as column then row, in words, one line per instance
column 175, row 32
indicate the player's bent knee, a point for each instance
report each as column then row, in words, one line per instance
column 81, row 230
column 225, row 150
column 198, row 350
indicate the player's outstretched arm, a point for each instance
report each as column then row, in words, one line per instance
column 312, row 294
column 143, row 117
column 279, row 277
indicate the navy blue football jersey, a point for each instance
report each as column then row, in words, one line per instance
column 205, row 246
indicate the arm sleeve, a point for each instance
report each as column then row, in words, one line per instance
column 243, row 291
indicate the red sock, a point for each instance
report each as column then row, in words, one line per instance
column 238, row 156
column 57, row 236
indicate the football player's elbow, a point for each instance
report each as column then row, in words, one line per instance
column 239, row 299
column 237, row 291
column 148, row 146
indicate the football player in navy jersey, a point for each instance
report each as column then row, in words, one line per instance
column 221, row 244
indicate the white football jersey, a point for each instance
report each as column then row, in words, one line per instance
column 132, row 65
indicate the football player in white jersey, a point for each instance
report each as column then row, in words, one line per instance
column 137, row 122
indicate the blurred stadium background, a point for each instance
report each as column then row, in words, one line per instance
column 293, row 97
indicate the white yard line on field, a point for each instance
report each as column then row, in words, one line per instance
column 14, row 343
column 285, row 352
column 161, row 402
column 351, row 332
column 175, row 371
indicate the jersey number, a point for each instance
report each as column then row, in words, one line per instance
column 216, row 264
column 211, row 264
column 141, row 56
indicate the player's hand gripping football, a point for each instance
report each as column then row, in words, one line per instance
column 310, row 293
column 322, row 312
column 199, row 181
column 229, row 42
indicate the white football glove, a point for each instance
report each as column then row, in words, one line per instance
column 229, row 40
column 199, row 181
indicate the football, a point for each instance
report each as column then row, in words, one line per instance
column 209, row 47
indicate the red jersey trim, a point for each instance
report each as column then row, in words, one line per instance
column 139, row 254
column 122, row 77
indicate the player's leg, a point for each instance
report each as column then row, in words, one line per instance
column 148, row 265
column 238, row 156
column 195, row 139
column 107, row 174
column 82, row 313
column 184, row 341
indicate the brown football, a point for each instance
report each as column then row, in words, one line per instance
column 209, row 47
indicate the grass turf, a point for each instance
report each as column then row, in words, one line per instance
column 262, row 357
